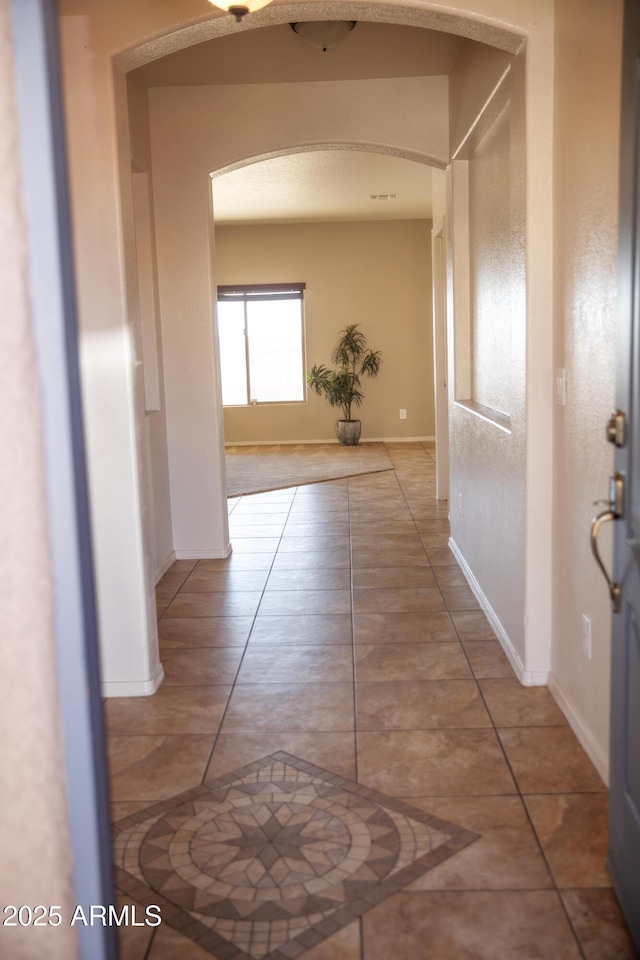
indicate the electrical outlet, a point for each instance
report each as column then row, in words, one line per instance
column 460, row 506
column 403, row 414
column 586, row 636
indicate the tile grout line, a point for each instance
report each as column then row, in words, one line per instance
column 495, row 730
column 246, row 647
column 353, row 655
column 492, row 726
column 431, row 566
column 415, row 523
column 532, row 825
column 353, row 640
column 147, row 953
column 159, row 618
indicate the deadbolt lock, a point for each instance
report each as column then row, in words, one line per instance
column 616, row 495
column 616, row 428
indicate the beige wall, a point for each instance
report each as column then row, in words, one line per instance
column 265, row 118
column 587, row 82
column 377, row 274
column 496, row 236
column 134, row 32
column 194, row 132
column 488, row 325
column 586, row 115
column 476, row 73
column 156, row 489
column 35, row 855
column 99, row 162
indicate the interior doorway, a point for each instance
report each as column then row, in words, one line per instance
column 352, row 228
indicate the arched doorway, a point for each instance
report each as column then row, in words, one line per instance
column 323, row 207
column 101, row 188
column 243, row 140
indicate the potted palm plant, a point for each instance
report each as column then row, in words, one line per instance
column 342, row 388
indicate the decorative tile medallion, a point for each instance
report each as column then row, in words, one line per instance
column 267, row 861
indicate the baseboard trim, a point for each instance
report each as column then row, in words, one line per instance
column 290, row 443
column 529, row 678
column 399, row 440
column 204, row 554
column 280, row 443
column 171, row 559
column 592, row 748
column 136, row 688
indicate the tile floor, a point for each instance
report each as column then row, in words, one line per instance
column 342, row 632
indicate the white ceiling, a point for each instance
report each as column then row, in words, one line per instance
column 323, row 185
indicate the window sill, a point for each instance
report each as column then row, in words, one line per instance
column 500, row 420
column 264, row 403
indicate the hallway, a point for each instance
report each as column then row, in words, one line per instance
column 342, row 632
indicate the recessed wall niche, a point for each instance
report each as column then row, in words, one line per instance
column 489, row 330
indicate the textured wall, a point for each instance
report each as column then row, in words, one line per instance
column 476, row 72
column 111, row 376
column 139, row 31
column 195, row 131
column 488, row 462
column 261, row 118
column 157, row 489
column 377, row 274
column 588, row 57
column 35, row 856
column 101, row 31
column 497, row 269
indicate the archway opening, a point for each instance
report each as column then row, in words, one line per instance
column 354, row 226
column 200, row 123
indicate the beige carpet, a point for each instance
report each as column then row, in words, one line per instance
column 258, row 468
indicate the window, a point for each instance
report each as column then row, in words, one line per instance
column 260, row 330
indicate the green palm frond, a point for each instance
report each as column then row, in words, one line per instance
column 353, row 360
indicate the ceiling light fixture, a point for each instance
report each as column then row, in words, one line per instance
column 240, row 10
column 322, row 34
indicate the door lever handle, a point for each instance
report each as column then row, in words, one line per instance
column 615, row 590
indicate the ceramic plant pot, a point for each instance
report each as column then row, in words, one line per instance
column 348, row 432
